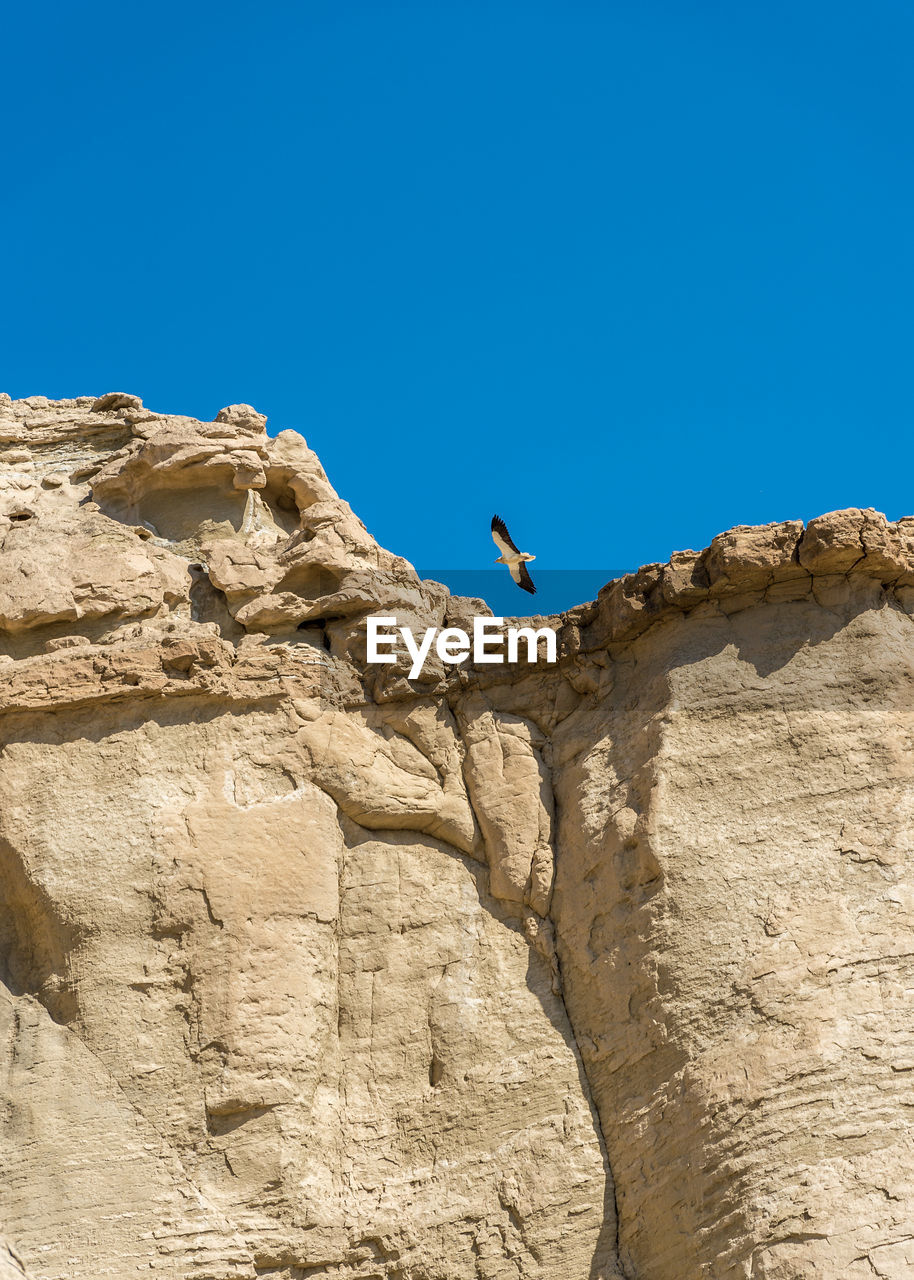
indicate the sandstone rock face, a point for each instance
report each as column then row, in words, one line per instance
column 595, row 970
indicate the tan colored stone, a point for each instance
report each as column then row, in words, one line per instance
column 308, row 968
column 512, row 796
column 114, row 400
column 747, row 558
column 833, row 543
column 10, row 1266
column 685, row 578
column 243, row 417
column 731, row 956
column 53, row 572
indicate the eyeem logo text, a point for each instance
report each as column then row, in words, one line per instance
column 453, row 645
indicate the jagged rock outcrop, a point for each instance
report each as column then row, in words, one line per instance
column 575, row 972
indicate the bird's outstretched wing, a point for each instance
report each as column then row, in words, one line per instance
column 501, row 537
column 524, row 580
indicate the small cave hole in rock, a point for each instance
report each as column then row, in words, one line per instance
column 435, row 1072
column 22, row 515
column 319, row 624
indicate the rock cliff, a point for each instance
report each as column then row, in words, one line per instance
column 596, row 970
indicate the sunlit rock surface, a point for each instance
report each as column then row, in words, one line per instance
column 591, row 971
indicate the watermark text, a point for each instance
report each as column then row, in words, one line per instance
column 491, row 642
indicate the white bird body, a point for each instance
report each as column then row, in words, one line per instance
column 515, row 560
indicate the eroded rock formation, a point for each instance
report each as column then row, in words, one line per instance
column 598, row 970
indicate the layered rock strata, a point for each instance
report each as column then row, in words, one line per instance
column 575, row 972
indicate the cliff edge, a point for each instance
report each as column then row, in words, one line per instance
column 602, row 969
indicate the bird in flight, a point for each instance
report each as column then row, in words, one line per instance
column 514, row 559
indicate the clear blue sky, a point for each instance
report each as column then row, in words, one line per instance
column 625, row 273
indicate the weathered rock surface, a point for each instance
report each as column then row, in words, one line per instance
column 595, row 970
